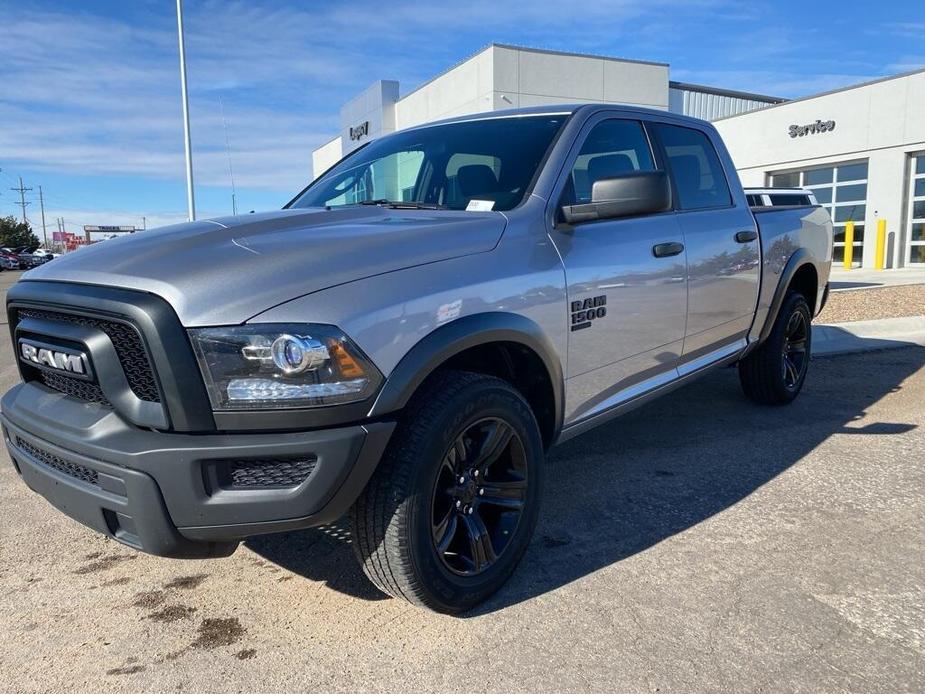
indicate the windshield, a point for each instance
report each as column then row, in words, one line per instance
column 477, row 165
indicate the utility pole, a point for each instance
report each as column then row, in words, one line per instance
column 22, row 198
column 42, row 205
column 190, row 201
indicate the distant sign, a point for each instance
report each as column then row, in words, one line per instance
column 359, row 131
column 89, row 228
column 820, row 126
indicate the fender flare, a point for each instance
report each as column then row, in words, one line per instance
column 799, row 258
column 453, row 338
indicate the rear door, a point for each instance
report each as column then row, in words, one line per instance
column 627, row 307
column 721, row 239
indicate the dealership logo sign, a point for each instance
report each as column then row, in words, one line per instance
column 820, row 126
column 360, row 131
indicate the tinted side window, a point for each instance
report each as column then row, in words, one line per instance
column 612, row 148
column 695, row 167
column 784, row 199
column 754, row 200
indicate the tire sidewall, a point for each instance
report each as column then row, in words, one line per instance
column 795, row 303
column 472, row 404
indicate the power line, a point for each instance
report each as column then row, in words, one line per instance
column 234, row 204
column 22, row 198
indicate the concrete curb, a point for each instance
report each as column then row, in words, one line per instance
column 868, row 335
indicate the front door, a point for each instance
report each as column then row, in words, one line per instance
column 627, row 307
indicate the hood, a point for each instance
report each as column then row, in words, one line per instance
column 226, row 270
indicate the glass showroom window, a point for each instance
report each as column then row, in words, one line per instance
column 842, row 190
column 915, row 255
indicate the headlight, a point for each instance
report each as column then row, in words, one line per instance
column 281, row 366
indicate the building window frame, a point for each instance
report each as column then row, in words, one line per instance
column 916, row 177
column 835, row 204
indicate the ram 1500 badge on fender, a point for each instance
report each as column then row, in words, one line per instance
column 405, row 341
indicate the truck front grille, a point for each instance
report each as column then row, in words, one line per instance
column 76, row 388
column 128, row 345
column 62, row 465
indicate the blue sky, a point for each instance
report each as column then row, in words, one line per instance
column 89, row 92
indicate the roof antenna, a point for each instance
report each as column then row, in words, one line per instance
column 234, row 204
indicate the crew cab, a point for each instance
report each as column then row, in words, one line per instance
column 406, row 339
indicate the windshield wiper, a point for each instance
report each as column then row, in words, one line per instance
column 403, row 204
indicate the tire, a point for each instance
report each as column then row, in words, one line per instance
column 774, row 373
column 413, row 526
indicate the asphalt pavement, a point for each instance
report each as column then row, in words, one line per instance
column 700, row 543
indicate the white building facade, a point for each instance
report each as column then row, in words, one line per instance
column 861, row 150
column 502, row 77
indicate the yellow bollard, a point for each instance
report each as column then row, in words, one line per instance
column 849, row 245
column 879, row 262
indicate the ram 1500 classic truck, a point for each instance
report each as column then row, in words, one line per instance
column 406, row 339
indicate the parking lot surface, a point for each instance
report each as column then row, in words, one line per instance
column 700, row 543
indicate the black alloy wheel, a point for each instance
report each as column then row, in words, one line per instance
column 774, row 372
column 452, row 505
column 479, row 496
column 796, row 358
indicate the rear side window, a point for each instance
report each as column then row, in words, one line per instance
column 612, row 148
column 695, row 168
column 754, row 200
column 784, row 199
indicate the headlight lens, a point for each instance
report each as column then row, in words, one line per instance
column 282, row 366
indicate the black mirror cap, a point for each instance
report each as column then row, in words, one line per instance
column 640, row 192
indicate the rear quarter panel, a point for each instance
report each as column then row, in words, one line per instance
column 783, row 232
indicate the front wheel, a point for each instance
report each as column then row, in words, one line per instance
column 454, row 502
column 774, row 373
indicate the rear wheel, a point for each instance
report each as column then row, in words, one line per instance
column 774, row 373
column 454, row 502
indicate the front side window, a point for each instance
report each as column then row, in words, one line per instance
column 695, row 167
column 612, row 148
column 493, row 161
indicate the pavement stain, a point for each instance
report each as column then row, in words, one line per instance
column 172, row 613
column 216, row 632
column 187, row 582
column 246, row 654
column 126, row 670
column 556, row 540
column 102, row 563
column 149, row 599
column 116, row 582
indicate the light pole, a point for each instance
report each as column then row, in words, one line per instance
column 190, row 200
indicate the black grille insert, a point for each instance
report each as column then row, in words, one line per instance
column 62, row 465
column 82, row 390
column 128, row 345
column 265, row 474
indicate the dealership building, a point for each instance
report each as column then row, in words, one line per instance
column 861, row 150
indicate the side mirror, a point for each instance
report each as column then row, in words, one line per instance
column 640, row 192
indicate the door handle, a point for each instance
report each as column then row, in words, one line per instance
column 664, row 250
column 746, row 236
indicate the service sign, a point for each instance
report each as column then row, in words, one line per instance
column 820, row 126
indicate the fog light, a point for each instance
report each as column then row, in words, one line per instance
column 293, row 354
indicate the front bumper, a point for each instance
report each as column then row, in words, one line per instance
column 164, row 493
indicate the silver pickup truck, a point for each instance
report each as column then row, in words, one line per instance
column 406, row 339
